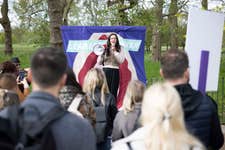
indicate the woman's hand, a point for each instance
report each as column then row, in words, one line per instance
column 113, row 48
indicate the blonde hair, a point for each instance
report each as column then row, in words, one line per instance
column 163, row 117
column 133, row 95
column 95, row 78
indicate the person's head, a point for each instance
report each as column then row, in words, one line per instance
column 175, row 65
column 163, row 116
column 71, row 80
column 95, row 79
column 113, row 40
column 8, row 81
column 8, row 67
column 133, row 95
column 48, row 67
column 16, row 62
column 70, row 90
column 8, row 90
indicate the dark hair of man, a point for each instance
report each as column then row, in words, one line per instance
column 48, row 65
column 117, row 45
column 174, row 63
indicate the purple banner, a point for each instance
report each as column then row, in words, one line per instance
column 203, row 71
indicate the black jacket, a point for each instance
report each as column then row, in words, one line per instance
column 201, row 117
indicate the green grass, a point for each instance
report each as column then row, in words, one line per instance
column 222, row 65
column 151, row 69
column 24, row 52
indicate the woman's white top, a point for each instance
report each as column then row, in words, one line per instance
column 136, row 141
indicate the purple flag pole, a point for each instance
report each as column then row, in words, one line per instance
column 203, row 71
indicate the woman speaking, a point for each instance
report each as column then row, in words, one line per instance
column 112, row 57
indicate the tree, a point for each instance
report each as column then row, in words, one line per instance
column 7, row 28
column 93, row 12
column 58, row 11
column 31, row 13
column 35, row 14
column 142, row 16
column 123, row 7
column 34, row 22
column 156, row 35
column 55, row 12
column 173, row 10
column 205, row 4
column 66, row 9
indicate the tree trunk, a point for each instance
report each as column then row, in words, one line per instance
column 67, row 6
column 173, row 24
column 205, row 4
column 156, row 36
column 55, row 12
column 7, row 28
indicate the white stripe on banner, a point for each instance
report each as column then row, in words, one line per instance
column 87, row 45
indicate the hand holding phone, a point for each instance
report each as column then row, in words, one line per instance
column 22, row 75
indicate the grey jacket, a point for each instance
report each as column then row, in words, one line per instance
column 123, row 124
column 70, row 131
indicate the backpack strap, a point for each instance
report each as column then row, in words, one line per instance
column 32, row 129
column 136, row 123
column 13, row 114
column 94, row 103
column 20, row 129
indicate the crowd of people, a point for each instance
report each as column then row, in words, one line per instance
column 57, row 113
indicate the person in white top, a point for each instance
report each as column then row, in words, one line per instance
column 163, row 128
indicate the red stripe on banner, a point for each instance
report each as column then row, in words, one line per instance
column 103, row 37
column 125, row 77
column 89, row 63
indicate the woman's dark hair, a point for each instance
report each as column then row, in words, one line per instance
column 71, row 80
column 109, row 44
column 8, row 67
column 15, row 60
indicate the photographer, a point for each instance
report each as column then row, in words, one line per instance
column 13, row 66
column 22, row 81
